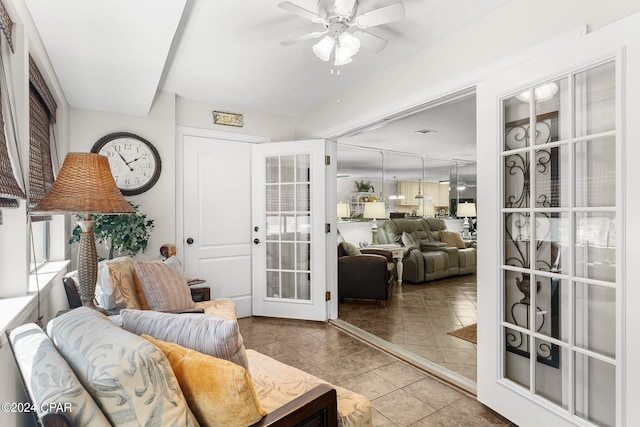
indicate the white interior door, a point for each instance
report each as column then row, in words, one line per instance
column 552, row 339
column 290, row 274
column 217, row 216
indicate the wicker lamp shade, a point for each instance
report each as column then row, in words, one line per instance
column 84, row 185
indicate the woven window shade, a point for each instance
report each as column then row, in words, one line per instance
column 9, row 187
column 40, row 168
column 41, row 88
column 6, row 25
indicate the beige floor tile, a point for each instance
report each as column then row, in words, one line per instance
column 433, row 393
column 369, row 384
column 436, row 420
column 402, row 408
column 399, row 374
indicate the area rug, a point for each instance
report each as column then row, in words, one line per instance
column 468, row 333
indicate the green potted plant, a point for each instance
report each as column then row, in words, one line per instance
column 363, row 186
column 127, row 233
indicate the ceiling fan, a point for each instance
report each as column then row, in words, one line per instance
column 343, row 28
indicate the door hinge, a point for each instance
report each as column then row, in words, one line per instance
column 327, row 160
column 327, row 296
column 327, row 228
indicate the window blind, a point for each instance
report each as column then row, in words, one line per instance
column 10, row 190
column 6, row 25
column 42, row 110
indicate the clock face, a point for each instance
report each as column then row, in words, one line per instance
column 134, row 161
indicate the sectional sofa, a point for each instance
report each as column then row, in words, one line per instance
column 431, row 251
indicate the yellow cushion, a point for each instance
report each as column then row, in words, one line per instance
column 219, row 392
column 451, row 238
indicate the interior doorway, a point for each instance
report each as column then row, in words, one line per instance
column 418, row 163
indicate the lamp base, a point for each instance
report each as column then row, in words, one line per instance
column 465, row 229
column 88, row 265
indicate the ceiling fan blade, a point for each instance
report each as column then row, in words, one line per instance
column 298, row 39
column 344, row 8
column 383, row 15
column 370, row 41
column 300, row 11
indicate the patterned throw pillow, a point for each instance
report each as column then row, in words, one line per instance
column 201, row 332
column 163, row 288
column 119, row 284
column 219, row 393
column 409, row 241
column 127, row 376
column 350, row 249
column 49, row 378
column 452, row 238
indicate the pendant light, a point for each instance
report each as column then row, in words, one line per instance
column 419, row 196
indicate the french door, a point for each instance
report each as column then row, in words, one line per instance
column 552, row 312
column 289, row 237
column 253, row 222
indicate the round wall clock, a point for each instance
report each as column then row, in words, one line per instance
column 134, row 161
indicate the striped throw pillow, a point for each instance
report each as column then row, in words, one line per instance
column 163, row 288
column 205, row 333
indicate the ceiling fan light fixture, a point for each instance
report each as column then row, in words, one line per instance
column 348, row 45
column 323, row 48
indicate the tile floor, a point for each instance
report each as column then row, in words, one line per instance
column 401, row 394
column 418, row 317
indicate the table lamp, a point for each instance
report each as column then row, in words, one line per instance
column 374, row 210
column 344, row 211
column 466, row 210
column 85, row 186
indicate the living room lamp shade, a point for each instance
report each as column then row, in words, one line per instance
column 374, row 210
column 343, row 210
column 85, row 185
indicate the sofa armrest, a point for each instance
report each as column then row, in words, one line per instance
column 54, row 420
column 388, row 255
column 319, row 404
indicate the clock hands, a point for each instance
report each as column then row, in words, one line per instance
column 125, row 161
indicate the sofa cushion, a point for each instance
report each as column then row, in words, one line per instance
column 128, row 377
column 118, row 284
column 277, row 384
column 219, row 393
column 163, row 287
column 49, row 378
column 408, row 241
column 350, row 249
column 201, row 332
column 452, row 238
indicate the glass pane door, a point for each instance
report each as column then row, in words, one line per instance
column 287, row 215
column 559, row 253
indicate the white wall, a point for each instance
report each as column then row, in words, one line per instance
column 159, row 129
column 196, row 114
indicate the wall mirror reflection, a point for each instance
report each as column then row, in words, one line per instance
column 420, row 166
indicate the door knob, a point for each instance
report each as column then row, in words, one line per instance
column 189, row 241
column 256, row 241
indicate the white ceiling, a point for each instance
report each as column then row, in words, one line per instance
column 397, row 146
column 113, row 55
